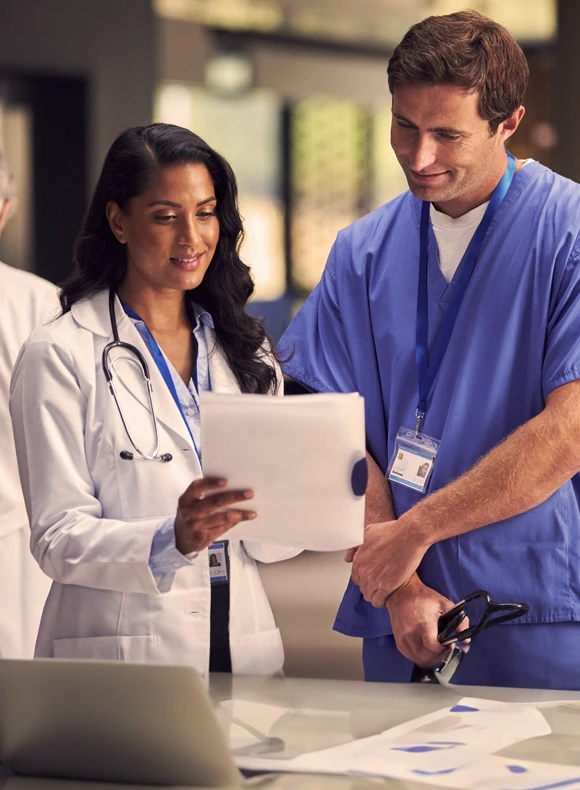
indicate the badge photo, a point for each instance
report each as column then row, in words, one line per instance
column 218, row 569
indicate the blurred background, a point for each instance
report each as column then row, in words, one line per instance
column 294, row 94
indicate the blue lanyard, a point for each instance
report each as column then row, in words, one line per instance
column 428, row 367
column 157, row 355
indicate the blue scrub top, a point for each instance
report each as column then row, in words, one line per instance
column 517, row 337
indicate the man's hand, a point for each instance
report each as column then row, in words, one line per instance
column 390, row 554
column 415, row 609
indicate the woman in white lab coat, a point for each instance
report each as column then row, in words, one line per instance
column 126, row 539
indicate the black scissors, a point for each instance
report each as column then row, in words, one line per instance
column 487, row 614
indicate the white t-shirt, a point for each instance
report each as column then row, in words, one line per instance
column 453, row 235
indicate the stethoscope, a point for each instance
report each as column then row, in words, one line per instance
column 126, row 455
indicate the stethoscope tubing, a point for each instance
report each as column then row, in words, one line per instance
column 105, row 361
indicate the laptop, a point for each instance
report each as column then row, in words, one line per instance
column 147, row 724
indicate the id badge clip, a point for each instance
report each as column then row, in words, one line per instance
column 413, row 459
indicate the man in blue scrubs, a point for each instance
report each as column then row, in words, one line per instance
column 455, row 311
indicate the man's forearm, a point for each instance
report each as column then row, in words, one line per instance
column 520, row 473
column 379, row 499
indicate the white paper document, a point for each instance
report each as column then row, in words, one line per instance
column 304, row 458
column 453, row 748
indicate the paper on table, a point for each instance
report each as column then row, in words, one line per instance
column 442, row 742
column 299, row 454
column 502, row 773
column 449, row 747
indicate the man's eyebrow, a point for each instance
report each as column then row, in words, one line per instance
column 449, row 130
column 178, row 205
column 438, row 129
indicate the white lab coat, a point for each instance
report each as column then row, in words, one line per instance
column 26, row 301
column 93, row 515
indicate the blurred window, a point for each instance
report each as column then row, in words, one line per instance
column 364, row 22
column 263, row 15
column 340, row 167
column 328, row 151
column 245, row 129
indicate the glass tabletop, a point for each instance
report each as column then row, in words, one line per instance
column 281, row 718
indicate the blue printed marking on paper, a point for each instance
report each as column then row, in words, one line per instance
column 563, row 783
column 431, row 746
column 434, row 773
column 517, row 769
column 463, row 709
column 359, row 477
column 415, row 749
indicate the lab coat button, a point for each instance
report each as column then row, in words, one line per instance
column 190, row 412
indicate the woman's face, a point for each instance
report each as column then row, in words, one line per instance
column 171, row 230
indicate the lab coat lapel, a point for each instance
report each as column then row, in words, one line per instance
column 127, row 372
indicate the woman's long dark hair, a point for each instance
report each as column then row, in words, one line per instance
column 100, row 260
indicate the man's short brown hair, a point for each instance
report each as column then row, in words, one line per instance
column 468, row 50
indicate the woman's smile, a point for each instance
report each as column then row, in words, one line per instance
column 188, row 264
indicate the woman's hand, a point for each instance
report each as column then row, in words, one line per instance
column 201, row 519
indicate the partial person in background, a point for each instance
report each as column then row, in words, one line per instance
column 455, row 311
column 121, row 516
column 26, row 302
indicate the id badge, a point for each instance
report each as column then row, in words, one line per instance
column 218, row 568
column 413, row 459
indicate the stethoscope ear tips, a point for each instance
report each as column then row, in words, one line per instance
column 126, row 455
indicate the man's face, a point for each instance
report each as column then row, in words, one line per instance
column 444, row 146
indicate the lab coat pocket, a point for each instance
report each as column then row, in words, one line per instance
column 150, row 488
column 106, row 648
column 261, row 653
